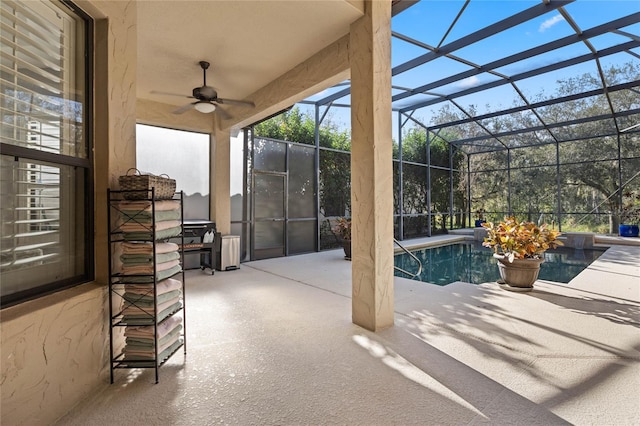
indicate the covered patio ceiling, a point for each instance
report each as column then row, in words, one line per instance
column 248, row 43
column 254, row 47
column 504, row 66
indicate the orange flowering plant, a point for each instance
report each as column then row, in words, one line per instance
column 343, row 228
column 520, row 240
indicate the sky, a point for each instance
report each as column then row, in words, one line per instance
column 428, row 21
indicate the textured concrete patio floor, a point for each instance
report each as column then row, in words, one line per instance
column 273, row 344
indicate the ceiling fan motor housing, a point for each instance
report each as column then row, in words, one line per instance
column 197, row 94
column 204, row 93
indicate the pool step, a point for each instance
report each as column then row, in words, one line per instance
column 614, row 240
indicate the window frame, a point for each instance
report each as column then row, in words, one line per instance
column 21, row 152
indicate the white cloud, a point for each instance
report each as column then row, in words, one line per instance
column 550, row 23
column 469, row 82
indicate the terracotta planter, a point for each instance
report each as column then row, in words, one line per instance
column 520, row 274
column 346, row 244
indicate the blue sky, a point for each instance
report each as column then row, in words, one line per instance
column 429, row 20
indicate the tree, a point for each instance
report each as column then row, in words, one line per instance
column 416, row 185
column 591, row 161
column 335, row 167
column 587, row 153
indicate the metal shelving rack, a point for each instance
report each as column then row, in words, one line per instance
column 118, row 283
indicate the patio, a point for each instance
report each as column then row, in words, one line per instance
column 273, row 343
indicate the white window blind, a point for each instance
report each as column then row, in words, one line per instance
column 44, row 164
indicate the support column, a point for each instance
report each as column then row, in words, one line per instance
column 220, row 181
column 116, row 44
column 371, row 168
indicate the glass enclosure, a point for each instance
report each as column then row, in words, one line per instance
column 532, row 110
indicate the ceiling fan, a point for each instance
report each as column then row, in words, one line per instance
column 207, row 97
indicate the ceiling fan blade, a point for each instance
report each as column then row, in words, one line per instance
column 235, row 102
column 223, row 114
column 157, row 92
column 185, row 108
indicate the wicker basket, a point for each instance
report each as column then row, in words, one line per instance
column 164, row 187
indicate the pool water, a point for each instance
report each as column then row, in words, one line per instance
column 472, row 263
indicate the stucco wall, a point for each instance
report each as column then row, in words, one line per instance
column 54, row 353
column 55, row 349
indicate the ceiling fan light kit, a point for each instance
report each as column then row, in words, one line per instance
column 207, row 97
column 205, row 107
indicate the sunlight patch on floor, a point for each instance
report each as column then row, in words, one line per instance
column 393, row 360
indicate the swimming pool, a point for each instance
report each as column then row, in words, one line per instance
column 472, row 263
